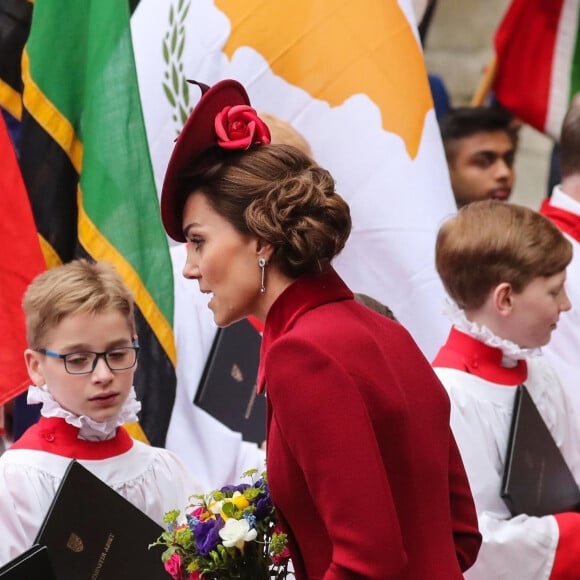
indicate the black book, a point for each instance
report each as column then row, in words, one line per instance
column 536, row 479
column 92, row 532
column 33, row 564
column 227, row 389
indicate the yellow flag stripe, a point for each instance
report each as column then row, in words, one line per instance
column 101, row 249
column 10, row 100
column 49, row 117
column 61, row 130
column 136, row 432
column 51, row 258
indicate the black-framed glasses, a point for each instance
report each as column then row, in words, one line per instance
column 119, row 358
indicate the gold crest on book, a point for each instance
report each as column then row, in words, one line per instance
column 75, row 543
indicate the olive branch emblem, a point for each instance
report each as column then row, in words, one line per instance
column 175, row 85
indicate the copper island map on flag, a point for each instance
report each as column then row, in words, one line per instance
column 351, row 78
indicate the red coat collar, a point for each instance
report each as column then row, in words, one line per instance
column 566, row 221
column 304, row 294
column 56, row 436
column 465, row 353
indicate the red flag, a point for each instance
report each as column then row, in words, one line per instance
column 21, row 261
column 538, row 58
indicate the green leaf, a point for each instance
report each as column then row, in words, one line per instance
column 173, row 39
column 175, row 79
column 185, row 11
column 168, row 94
column 170, row 517
column 229, row 509
column 181, row 46
column 182, row 114
column 185, row 89
column 165, row 52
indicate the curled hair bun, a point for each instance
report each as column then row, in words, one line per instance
column 302, row 216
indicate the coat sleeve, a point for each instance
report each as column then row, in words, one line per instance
column 464, row 517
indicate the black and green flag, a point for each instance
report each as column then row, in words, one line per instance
column 85, row 162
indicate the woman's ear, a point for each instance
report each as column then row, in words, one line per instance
column 33, row 366
column 503, row 298
column 264, row 249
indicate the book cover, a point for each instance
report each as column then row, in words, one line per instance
column 33, row 564
column 93, row 533
column 536, row 480
column 227, row 389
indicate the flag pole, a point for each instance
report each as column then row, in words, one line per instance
column 485, row 83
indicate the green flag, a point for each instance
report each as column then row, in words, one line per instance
column 85, row 162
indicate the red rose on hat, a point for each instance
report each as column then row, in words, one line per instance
column 239, row 126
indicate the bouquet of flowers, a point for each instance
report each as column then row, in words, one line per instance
column 229, row 533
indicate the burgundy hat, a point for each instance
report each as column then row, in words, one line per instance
column 222, row 117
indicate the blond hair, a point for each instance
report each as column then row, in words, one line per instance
column 490, row 242
column 283, row 133
column 75, row 287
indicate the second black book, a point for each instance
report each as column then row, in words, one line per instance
column 536, row 480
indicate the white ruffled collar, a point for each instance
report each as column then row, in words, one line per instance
column 89, row 429
column 510, row 350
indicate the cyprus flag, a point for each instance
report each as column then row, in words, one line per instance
column 350, row 76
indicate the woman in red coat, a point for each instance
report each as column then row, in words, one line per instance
column 363, row 468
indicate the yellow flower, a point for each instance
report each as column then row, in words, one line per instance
column 239, row 500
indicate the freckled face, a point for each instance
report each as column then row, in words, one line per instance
column 222, row 260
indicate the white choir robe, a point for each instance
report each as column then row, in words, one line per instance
column 523, row 547
column 153, row 479
column 563, row 350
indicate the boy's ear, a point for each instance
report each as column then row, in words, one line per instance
column 503, row 298
column 33, row 366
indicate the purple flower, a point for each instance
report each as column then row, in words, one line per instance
column 207, row 535
column 233, row 488
column 263, row 502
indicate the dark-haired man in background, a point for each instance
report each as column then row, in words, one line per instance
column 480, row 145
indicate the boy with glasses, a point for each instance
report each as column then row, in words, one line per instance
column 81, row 359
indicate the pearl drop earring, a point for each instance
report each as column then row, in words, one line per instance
column 262, row 264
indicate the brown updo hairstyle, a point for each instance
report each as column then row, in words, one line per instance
column 490, row 242
column 279, row 194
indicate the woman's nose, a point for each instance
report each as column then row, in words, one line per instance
column 191, row 268
column 190, row 271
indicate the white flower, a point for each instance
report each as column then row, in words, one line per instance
column 236, row 532
column 216, row 506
